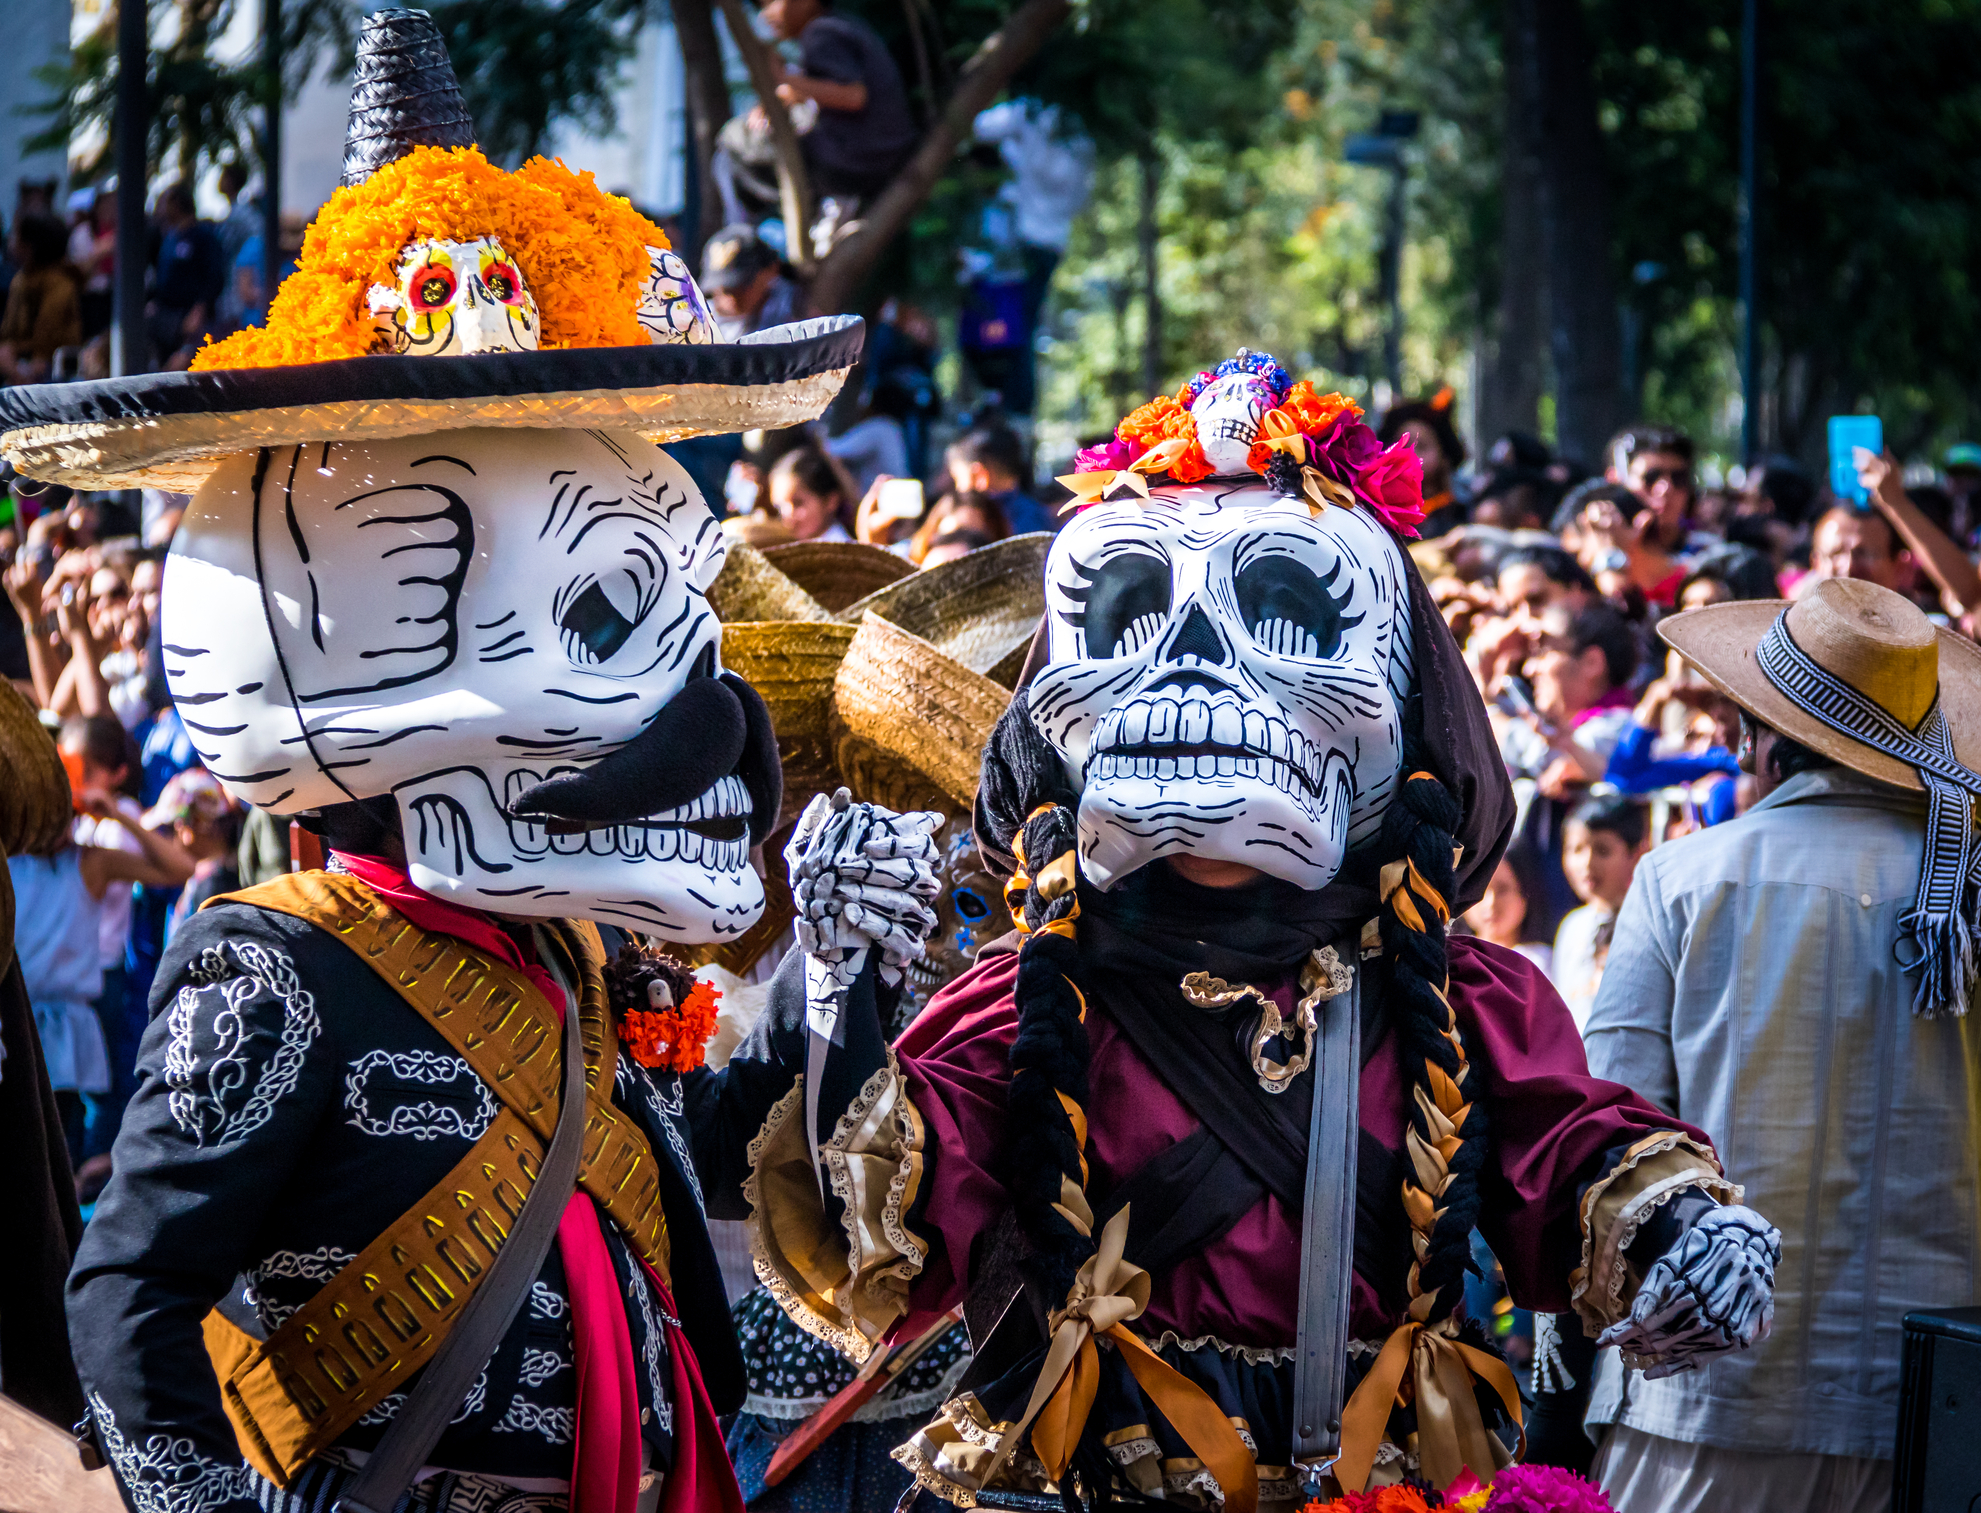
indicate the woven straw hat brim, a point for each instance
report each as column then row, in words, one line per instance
column 792, row 663
column 749, row 588
column 909, row 724
column 838, row 573
column 169, row 430
column 979, row 610
column 35, row 808
column 1720, row 641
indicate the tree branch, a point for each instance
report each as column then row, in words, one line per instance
column 794, row 185
column 708, row 109
column 1002, row 54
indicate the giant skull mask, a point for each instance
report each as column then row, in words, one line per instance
column 453, row 619
column 1223, row 679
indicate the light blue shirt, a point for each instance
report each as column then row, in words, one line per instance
column 1753, row 991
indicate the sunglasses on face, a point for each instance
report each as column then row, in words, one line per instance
column 1678, row 477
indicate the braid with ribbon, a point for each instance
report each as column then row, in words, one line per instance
column 1029, row 808
column 1447, row 1136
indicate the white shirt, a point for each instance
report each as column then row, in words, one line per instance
column 1752, row 990
column 1051, row 173
column 113, row 915
column 1575, row 970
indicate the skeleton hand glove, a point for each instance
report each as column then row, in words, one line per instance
column 1711, row 1293
column 863, row 876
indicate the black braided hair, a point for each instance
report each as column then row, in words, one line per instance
column 1441, row 1189
column 1026, row 807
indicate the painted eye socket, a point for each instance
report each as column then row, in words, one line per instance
column 432, row 288
column 597, row 628
column 1291, row 610
column 970, row 904
column 505, row 284
column 1124, row 603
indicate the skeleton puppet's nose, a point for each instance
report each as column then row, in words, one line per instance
column 1197, row 637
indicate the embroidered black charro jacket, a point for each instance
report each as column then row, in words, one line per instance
column 291, row 1107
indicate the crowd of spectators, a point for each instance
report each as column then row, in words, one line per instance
column 203, row 278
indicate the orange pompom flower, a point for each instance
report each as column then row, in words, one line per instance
column 676, row 1039
column 582, row 253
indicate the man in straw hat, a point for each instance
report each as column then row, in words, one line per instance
column 1794, row 984
column 409, row 1201
column 1244, row 787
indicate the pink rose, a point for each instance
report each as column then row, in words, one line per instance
column 1111, row 456
column 1393, row 484
column 1344, row 449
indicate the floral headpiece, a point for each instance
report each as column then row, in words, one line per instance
column 1305, row 444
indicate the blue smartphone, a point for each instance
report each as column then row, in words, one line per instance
column 1848, row 432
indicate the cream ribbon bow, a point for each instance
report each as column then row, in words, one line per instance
column 1106, row 1294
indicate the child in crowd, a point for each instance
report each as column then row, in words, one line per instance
column 1606, row 836
column 207, row 824
column 1501, row 916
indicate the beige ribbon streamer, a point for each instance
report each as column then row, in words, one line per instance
column 1107, row 1293
column 1450, row 1433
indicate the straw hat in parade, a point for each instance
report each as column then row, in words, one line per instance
column 979, row 610
column 839, row 573
column 1858, row 674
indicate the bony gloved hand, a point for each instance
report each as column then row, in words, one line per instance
column 1709, row 1293
column 862, row 875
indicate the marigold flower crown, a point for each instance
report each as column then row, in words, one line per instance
column 1308, row 445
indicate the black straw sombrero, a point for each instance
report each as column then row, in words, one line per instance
column 169, row 430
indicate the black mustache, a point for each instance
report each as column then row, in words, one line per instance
column 713, row 727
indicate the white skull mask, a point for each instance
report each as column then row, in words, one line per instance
column 453, row 299
column 1223, row 679
column 1228, row 412
column 452, row 619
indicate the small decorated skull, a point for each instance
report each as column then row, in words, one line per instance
column 671, row 306
column 453, row 299
column 1224, row 678
column 1228, row 412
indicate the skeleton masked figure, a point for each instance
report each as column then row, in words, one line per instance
column 412, row 1180
column 1199, row 1143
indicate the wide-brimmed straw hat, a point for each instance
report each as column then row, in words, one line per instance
column 979, row 610
column 792, row 663
column 750, row 588
column 35, row 807
column 838, row 573
column 909, row 723
column 1875, row 641
column 411, row 170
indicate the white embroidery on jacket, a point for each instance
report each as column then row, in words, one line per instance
column 205, row 1097
column 168, row 1475
column 317, row 1266
column 663, row 1410
column 558, row 1425
column 424, row 1120
column 539, row 1366
column 387, row 1408
column 546, row 1302
column 669, row 1106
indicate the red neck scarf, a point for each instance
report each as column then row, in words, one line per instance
column 605, row 1470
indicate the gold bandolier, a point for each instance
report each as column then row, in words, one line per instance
column 380, row 1318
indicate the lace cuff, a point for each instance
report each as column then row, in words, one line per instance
column 1652, row 1172
column 847, row 1284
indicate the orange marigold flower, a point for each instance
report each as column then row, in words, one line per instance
column 675, row 1039
column 582, row 251
column 1158, row 420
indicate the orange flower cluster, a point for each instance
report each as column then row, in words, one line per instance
column 676, row 1039
column 582, row 251
column 1396, row 1499
column 1168, row 418
column 1309, row 412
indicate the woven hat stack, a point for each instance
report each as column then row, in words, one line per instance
column 893, row 699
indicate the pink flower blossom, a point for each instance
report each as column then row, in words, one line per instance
column 1393, row 484
column 1544, row 1489
column 1110, row 456
column 1344, row 449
